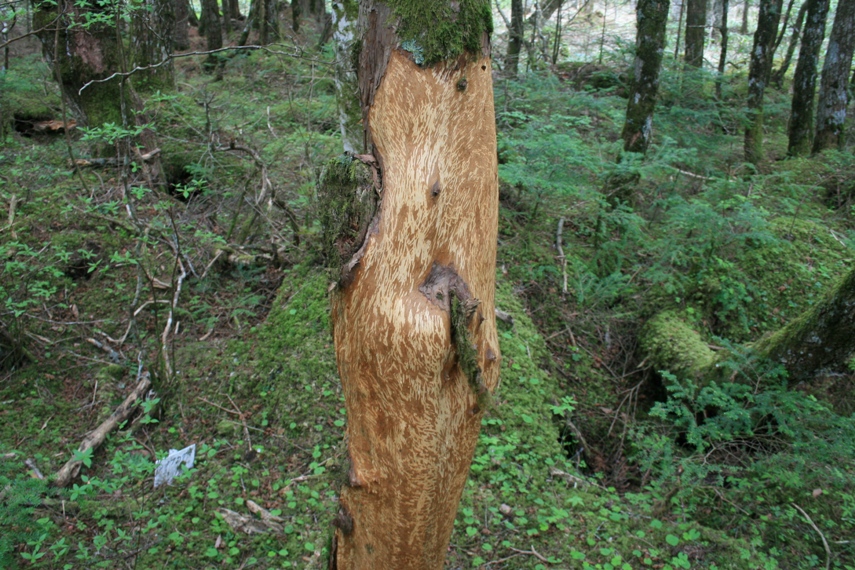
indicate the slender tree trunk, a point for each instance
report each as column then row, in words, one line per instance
column 152, row 34
column 804, row 81
column 345, row 14
column 743, row 29
column 652, row 17
column 515, row 38
column 784, row 24
column 413, row 310
column 213, row 35
column 296, row 14
column 181, row 33
column 556, row 45
column 696, row 19
column 758, row 73
column 679, row 29
column 778, row 75
column 722, row 57
column 834, row 87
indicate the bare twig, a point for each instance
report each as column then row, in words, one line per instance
column 561, row 257
column 531, row 552
column 32, row 465
column 819, row 532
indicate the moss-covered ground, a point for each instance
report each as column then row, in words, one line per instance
column 590, row 456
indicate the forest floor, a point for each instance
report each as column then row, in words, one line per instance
column 589, row 457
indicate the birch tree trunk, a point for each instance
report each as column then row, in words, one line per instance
column 804, row 81
column 649, row 48
column 834, row 87
column 758, row 73
column 412, row 228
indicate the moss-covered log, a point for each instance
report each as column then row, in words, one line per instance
column 819, row 342
column 670, row 344
column 804, row 81
column 758, row 74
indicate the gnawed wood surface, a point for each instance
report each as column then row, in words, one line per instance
column 413, row 418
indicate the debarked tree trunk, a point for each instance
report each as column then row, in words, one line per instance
column 413, row 244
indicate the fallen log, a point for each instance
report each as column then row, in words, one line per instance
column 95, row 438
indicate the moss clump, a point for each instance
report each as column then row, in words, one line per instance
column 672, row 345
column 443, row 30
column 467, row 355
column 347, row 203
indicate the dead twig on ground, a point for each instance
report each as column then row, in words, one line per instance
column 95, row 438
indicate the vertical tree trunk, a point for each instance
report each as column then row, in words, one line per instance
column 85, row 53
column 784, row 24
column 743, row 29
column 515, row 38
column 834, row 87
column 696, row 19
column 778, row 75
column 213, row 35
column 296, row 14
column 345, row 14
column 722, row 56
column 758, row 73
column 804, row 81
column 679, row 29
column 152, row 34
column 413, row 311
column 652, row 17
column 181, row 32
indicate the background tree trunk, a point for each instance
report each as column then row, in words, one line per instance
column 181, row 33
column 515, row 38
column 696, row 20
column 804, row 81
column 85, row 53
column 152, row 34
column 213, row 35
column 722, row 56
column 413, row 312
column 834, row 87
column 345, row 14
column 758, row 72
column 649, row 49
column 778, row 76
column 743, row 29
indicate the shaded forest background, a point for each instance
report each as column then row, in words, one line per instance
column 161, row 255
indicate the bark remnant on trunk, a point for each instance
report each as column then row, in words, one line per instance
column 834, row 86
column 650, row 47
column 413, row 308
column 804, row 81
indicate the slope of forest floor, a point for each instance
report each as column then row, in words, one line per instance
column 589, row 458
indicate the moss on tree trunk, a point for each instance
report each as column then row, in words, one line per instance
column 412, row 243
column 758, row 73
column 652, row 16
column 818, row 342
column 804, row 81
column 834, row 87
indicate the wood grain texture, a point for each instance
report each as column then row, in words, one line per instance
column 413, row 418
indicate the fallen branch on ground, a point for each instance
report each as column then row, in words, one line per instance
column 71, row 469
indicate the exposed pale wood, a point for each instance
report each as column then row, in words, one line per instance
column 413, row 418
